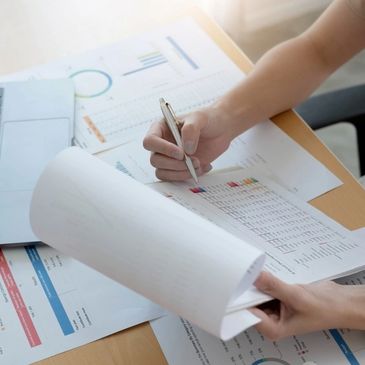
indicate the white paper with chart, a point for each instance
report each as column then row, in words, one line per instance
column 301, row 243
column 98, row 215
column 199, row 262
column 51, row 303
column 118, row 88
column 183, row 343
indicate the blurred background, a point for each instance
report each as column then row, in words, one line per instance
column 255, row 25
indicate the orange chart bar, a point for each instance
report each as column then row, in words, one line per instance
column 94, row 129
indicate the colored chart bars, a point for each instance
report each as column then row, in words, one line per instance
column 156, row 58
column 248, row 181
column 197, row 190
column 149, row 60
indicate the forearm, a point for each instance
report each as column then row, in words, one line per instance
column 290, row 72
column 281, row 79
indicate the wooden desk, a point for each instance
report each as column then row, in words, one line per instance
column 38, row 31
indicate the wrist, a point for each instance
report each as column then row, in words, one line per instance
column 237, row 118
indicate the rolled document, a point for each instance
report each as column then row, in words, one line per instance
column 136, row 236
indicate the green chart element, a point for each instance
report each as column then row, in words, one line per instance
column 102, row 78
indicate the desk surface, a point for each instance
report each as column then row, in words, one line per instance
column 39, row 31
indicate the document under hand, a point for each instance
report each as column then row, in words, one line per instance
column 198, row 260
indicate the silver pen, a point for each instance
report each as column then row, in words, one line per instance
column 173, row 124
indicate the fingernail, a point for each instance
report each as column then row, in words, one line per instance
column 189, row 147
column 208, row 168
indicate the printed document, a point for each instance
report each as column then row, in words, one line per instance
column 118, row 88
column 51, row 303
column 182, row 343
column 254, row 148
column 200, row 257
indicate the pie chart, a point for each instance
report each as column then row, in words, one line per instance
column 91, row 83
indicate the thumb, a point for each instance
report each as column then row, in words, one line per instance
column 269, row 324
column 276, row 288
column 190, row 132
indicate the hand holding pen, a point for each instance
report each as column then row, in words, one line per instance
column 205, row 134
column 175, row 126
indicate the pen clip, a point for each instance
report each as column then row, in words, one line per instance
column 168, row 106
column 179, row 123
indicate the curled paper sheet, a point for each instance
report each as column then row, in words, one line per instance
column 122, row 228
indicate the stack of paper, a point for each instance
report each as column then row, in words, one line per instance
column 117, row 92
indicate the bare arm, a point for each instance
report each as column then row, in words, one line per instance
column 282, row 78
column 291, row 71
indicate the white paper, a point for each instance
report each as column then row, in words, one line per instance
column 359, row 277
column 276, row 153
column 267, row 147
column 183, row 343
column 132, row 159
column 118, row 88
column 359, row 234
column 92, row 212
column 51, row 303
column 301, row 243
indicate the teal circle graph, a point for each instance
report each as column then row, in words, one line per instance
column 270, row 361
column 95, row 82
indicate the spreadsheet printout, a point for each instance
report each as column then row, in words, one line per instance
column 301, row 243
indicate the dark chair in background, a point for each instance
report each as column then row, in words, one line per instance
column 345, row 105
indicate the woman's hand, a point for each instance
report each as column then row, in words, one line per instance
column 307, row 308
column 205, row 135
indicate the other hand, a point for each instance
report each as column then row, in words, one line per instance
column 306, row 308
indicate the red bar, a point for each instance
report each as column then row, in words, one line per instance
column 197, row 190
column 18, row 303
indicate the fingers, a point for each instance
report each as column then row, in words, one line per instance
column 270, row 324
column 276, row 288
column 166, row 163
column 167, row 157
column 155, row 142
column 171, row 175
column 190, row 132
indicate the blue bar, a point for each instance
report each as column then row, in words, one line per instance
column 122, row 168
column 143, row 68
column 49, row 290
column 182, row 53
column 344, row 347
